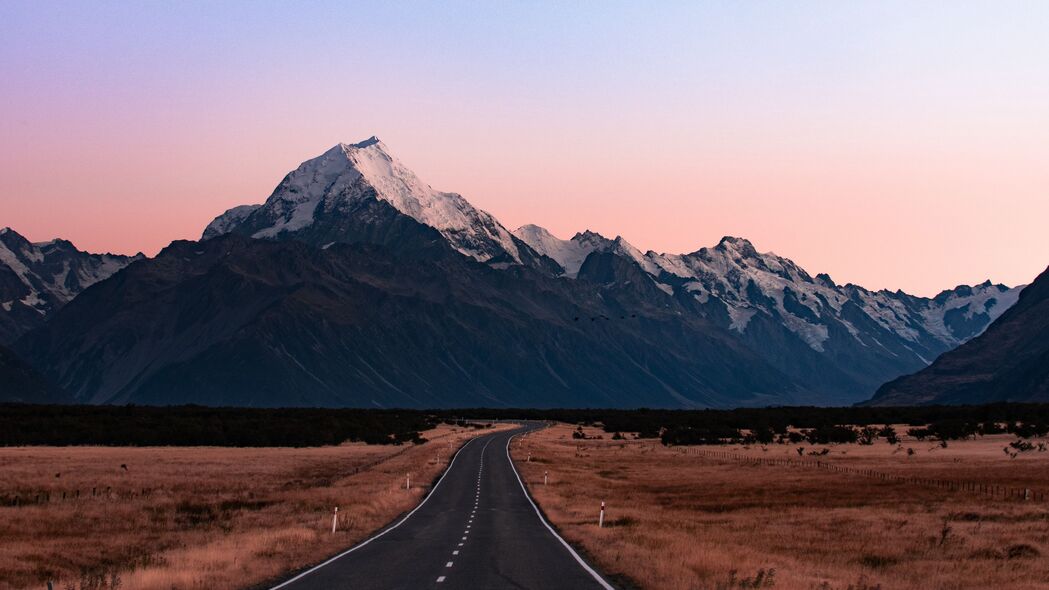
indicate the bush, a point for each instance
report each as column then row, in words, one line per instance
column 701, row 436
column 832, row 434
column 920, row 433
column 889, row 434
column 953, row 429
column 868, row 434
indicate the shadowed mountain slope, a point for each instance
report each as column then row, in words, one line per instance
column 1008, row 362
column 238, row 321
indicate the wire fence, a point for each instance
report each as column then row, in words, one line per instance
column 33, row 498
column 992, row 490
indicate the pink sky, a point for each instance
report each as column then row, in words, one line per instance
column 888, row 153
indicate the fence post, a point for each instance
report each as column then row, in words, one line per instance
column 335, row 520
column 601, row 517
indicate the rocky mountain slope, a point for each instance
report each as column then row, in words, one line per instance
column 354, row 192
column 36, row 279
column 21, row 383
column 355, row 283
column 1008, row 362
column 838, row 339
column 238, row 321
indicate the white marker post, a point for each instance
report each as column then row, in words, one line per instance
column 529, row 457
column 335, row 520
column 601, row 517
column 545, row 474
column 407, row 481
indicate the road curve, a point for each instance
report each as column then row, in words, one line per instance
column 477, row 528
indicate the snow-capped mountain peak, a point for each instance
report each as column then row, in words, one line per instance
column 569, row 254
column 225, row 223
column 737, row 281
column 350, row 173
column 38, row 278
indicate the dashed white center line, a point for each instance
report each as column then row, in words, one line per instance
column 449, row 564
column 460, row 544
column 464, row 538
column 440, row 579
column 456, row 552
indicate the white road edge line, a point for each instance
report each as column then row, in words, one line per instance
column 384, row 531
column 539, row 514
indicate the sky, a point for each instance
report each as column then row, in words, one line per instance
column 898, row 145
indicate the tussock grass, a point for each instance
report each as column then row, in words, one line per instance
column 209, row 517
column 700, row 523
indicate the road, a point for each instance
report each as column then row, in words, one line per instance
column 476, row 529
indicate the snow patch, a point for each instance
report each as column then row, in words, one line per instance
column 740, row 317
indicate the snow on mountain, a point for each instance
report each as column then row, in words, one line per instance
column 224, row 223
column 348, row 174
column 38, row 278
column 747, row 282
column 736, row 273
column 570, row 254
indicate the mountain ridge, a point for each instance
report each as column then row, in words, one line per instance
column 1007, row 362
column 829, row 336
column 238, row 321
column 824, row 342
column 38, row 278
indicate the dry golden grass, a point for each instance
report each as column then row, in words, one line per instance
column 209, row 517
column 677, row 520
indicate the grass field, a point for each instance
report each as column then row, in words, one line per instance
column 201, row 517
column 680, row 519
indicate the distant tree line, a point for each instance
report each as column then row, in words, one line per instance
column 204, row 426
column 797, row 424
column 300, row 427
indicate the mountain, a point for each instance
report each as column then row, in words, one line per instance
column 842, row 341
column 1008, row 362
column 355, row 283
column 23, row 384
column 36, row 279
column 239, row 321
column 358, row 193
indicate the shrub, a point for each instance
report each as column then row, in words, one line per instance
column 920, row 433
column 832, row 434
column 889, row 434
column 868, row 434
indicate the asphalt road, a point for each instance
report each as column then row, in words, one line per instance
column 477, row 529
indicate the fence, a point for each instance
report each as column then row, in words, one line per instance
column 995, row 491
column 30, row 498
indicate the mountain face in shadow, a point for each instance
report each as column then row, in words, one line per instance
column 840, row 340
column 1008, row 362
column 36, row 279
column 238, row 321
column 357, row 284
column 21, row 383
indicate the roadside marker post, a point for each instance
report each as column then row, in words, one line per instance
column 545, row 475
column 601, row 517
column 335, row 520
column 407, row 481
